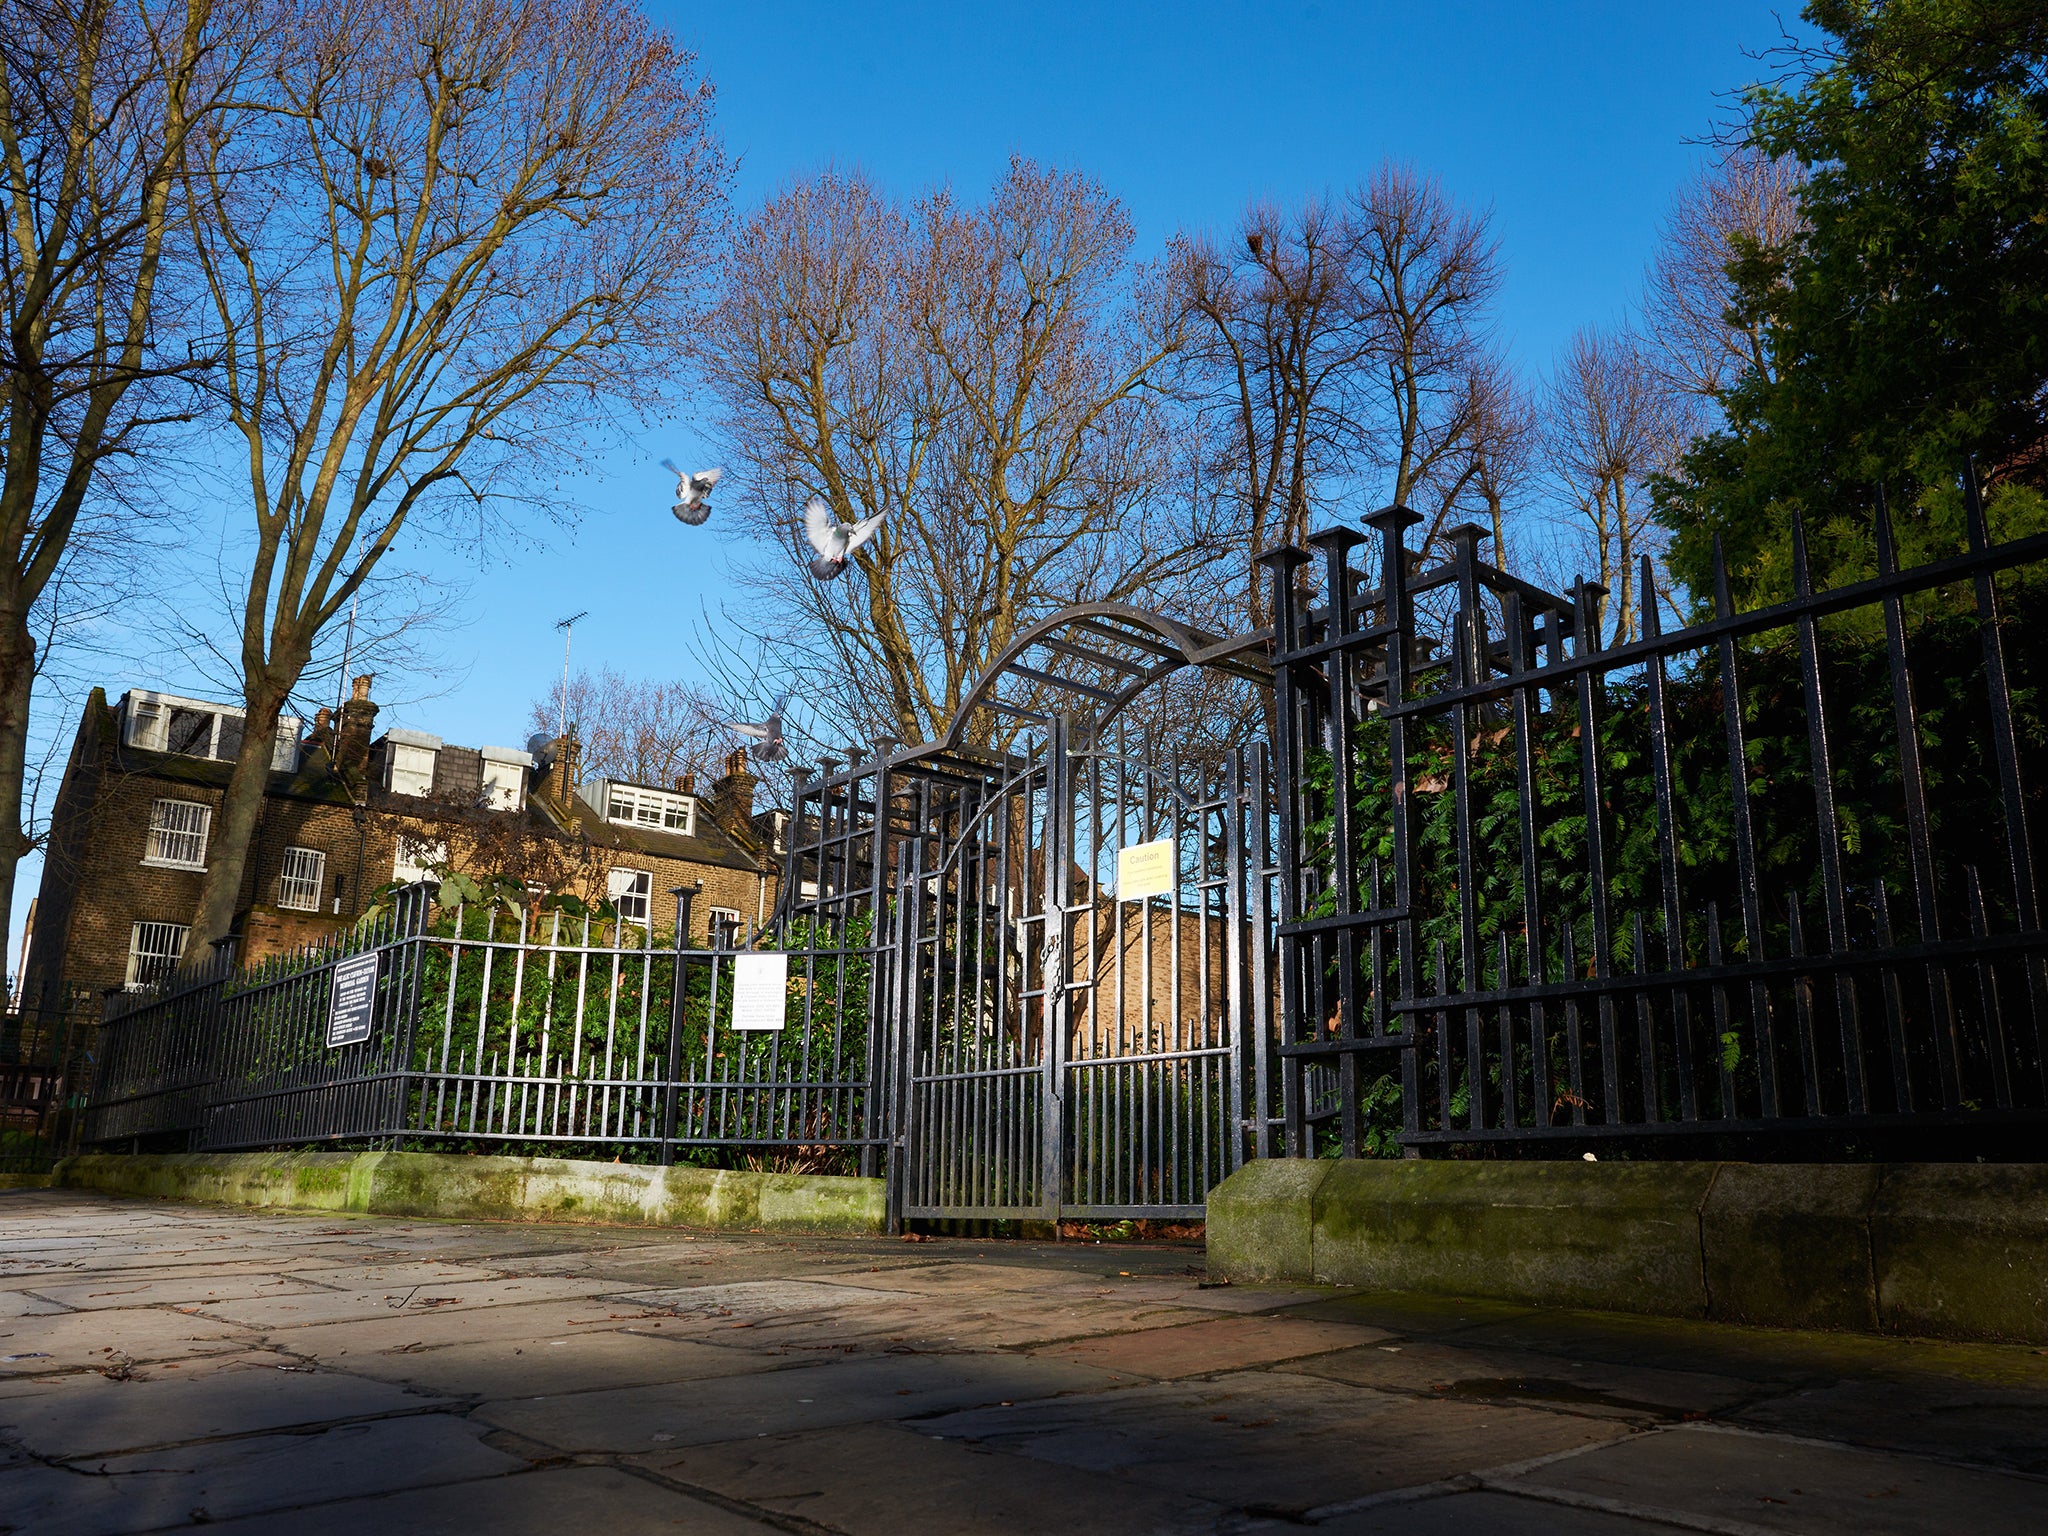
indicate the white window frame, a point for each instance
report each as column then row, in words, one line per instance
column 504, row 785
column 157, row 946
column 641, row 805
column 732, row 917
column 148, row 726
column 295, row 879
column 411, row 769
column 172, row 825
column 623, row 895
column 406, row 868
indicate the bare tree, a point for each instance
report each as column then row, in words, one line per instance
column 1612, row 422
column 1280, row 347
column 1503, row 445
column 473, row 228
column 645, row 732
column 985, row 375
column 97, row 100
column 1427, row 275
column 1744, row 207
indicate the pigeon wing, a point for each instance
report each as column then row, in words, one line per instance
column 758, row 732
column 864, row 530
column 821, row 529
column 780, row 705
column 670, row 466
column 704, row 479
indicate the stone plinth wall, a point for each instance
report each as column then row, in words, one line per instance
column 492, row 1188
column 1955, row 1250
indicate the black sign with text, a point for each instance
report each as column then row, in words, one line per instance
column 354, row 1000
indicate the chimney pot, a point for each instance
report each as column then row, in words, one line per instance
column 362, row 687
column 352, row 738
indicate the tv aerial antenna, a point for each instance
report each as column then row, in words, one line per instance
column 568, row 628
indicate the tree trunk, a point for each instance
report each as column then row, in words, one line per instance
column 17, row 680
column 227, row 858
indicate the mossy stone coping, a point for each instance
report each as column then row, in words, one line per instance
column 492, row 1188
column 1949, row 1250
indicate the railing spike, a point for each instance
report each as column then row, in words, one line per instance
column 1887, row 551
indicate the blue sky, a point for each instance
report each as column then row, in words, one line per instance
column 1573, row 123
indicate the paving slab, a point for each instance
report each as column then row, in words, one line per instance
column 883, row 1480
column 1214, row 1345
column 83, row 1340
column 1771, row 1483
column 551, row 1502
column 190, row 1290
column 1486, row 1514
column 90, row 1415
column 1268, row 1441
column 1518, row 1376
column 546, row 1367
column 1988, row 1425
column 641, row 1419
column 220, row 1479
column 307, row 1307
column 411, row 1328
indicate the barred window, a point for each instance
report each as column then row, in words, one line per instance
column 629, row 890
column 299, row 881
column 177, row 834
column 153, row 950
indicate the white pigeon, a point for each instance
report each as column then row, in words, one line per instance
column 835, row 541
column 693, row 493
column 772, row 747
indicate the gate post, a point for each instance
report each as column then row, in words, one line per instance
column 901, row 1027
column 1287, row 774
column 685, row 895
column 1057, row 967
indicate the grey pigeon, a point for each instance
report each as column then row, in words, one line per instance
column 835, row 541
column 772, row 747
column 693, row 493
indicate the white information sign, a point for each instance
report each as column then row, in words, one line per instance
column 760, row 991
column 1146, row 869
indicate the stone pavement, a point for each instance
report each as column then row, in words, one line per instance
column 165, row 1365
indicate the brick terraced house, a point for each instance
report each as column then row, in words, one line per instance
column 346, row 811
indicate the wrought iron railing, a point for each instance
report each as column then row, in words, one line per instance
column 488, row 1029
column 1766, row 878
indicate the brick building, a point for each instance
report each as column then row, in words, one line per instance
column 347, row 811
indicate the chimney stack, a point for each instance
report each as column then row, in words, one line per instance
column 732, row 797
column 352, row 739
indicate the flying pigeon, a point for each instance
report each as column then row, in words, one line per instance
column 772, row 747
column 835, row 541
column 693, row 493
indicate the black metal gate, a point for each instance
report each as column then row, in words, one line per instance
column 1084, row 1012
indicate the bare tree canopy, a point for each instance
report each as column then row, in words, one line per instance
column 1281, row 345
column 1345, row 348
column 1612, row 422
column 643, row 732
column 1428, row 273
column 439, row 241
column 96, row 102
column 983, row 374
column 1742, row 209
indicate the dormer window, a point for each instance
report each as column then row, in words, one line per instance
column 162, row 722
column 409, row 762
column 641, row 805
column 504, row 778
